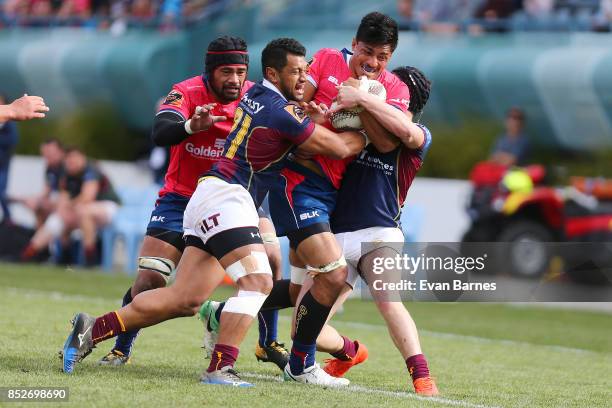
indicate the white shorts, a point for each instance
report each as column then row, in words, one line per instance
column 350, row 243
column 218, row 206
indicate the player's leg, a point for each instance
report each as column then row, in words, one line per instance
column 159, row 254
column 316, row 246
column 64, row 219
column 402, row 328
column 268, row 349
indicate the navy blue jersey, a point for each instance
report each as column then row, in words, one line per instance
column 266, row 128
column 375, row 186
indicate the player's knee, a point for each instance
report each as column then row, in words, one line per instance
column 147, row 280
column 252, row 273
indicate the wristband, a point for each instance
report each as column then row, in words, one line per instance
column 188, row 127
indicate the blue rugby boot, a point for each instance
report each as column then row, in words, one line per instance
column 79, row 342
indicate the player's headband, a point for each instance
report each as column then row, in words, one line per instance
column 230, row 57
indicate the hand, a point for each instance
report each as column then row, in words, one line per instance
column 348, row 97
column 355, row 83
column 28, row 107
column 203, row 118
column 317, row 113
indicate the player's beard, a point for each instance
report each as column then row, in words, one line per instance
column 290, row 93
column 223, row 93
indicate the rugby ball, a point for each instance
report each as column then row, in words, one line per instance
column 348, row 119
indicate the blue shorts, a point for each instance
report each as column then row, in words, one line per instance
column 303, row 198
column 168, row 213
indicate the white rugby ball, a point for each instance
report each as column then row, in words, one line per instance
column 348, row 119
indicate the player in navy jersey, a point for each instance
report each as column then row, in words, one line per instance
column 383, row 172
column 221, row 219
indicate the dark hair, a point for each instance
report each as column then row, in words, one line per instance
column 275, row 53
column 226, row 50
column 418, row 85
column 378, row 29
column 53, row 140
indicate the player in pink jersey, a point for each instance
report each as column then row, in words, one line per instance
column 194, row 120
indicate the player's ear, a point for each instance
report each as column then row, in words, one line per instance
column 272, row 75
column 354, row 44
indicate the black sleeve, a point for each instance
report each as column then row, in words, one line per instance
column 168, row 129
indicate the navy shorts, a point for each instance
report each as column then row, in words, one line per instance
column 301, row 199
column 168, row 213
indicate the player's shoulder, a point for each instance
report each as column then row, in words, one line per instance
column 191, row 83
column 327, row 55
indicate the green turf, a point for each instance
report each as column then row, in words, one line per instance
column 490, row 355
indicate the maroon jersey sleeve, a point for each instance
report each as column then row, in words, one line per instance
column 177, row 101
column 294, row 125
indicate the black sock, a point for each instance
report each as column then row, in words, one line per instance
column 279, row 296
column 311, row 317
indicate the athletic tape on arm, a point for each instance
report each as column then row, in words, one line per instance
column 256, row 262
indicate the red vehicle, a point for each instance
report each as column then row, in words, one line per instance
column 518, row 207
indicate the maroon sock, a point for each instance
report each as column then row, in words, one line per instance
column 222, row 356
column 107, row 326
column 348, row 351
column 417, row 366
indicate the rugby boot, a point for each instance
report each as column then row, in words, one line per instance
column 337, row 368
column 207, row 315
column 275, row 353
column 314, row 375
column 225, row 376
column 425, row 386
column 79, row 342
column 114, row 358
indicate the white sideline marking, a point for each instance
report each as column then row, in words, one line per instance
column 366, row 390
column 59, row 296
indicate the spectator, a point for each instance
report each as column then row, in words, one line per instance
column 512, row 147
column 8, row 141
column 44, row 204
column 603, row 19
column 87, row 201
column 538, row 8
column 493, row 13
column 444, row 16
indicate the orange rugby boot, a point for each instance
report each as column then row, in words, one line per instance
column 425, row 386
column 337, row 368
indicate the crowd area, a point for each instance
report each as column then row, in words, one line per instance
column 425, row 15
column 505, row 15
column 114, row 15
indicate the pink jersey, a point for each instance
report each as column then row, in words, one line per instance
column 196, row 154
column 329, row 69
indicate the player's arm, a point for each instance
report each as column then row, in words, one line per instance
column 89, row 192
column 169, row 128
column 309, row 91
column 335, row 145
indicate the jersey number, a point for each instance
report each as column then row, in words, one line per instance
column 244, row 121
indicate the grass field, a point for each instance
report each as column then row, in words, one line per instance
column 483, row 355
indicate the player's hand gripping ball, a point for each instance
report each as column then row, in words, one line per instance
column 348, row 119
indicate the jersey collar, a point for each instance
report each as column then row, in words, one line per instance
column 347, row 55
column 272, row 87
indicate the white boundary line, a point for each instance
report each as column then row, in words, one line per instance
column 59, row 296
column 375, row 391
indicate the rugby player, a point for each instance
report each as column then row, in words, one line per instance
column 302, row 204
column 194, row 120
column 383, row 172
column 220, row 220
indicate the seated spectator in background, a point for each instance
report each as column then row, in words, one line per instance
column 87, row 201
column 603, row 19
column 491, row 12
column 538, row 8
column 44, row 204
column 512, row 147
column 443, row 16
column 8, row 140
